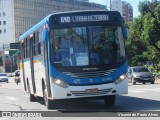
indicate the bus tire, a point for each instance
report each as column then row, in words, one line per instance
column 110, row 100
column 48, row 103
column 32, row 98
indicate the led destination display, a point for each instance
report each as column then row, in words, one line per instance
column 89, row 18
column 85, row 19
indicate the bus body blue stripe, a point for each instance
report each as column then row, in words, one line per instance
column 86, row 81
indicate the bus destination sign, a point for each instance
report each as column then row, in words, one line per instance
column 74, row 19
column 86, row 18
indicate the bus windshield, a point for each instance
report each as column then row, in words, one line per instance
column 87, row 46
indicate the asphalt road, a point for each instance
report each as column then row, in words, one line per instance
column 140, row 98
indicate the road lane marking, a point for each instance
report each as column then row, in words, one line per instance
column 145, row 90
column 135, row 91
column 155, row 89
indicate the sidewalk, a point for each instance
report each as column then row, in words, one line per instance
column 157, row 81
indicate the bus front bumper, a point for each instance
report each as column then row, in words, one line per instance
column 89, row 91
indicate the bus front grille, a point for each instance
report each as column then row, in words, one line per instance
column 83, row 93
column 89, row 74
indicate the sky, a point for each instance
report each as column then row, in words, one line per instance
column 134, row 4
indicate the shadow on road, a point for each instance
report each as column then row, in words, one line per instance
column 123, row 103
column 147, row 83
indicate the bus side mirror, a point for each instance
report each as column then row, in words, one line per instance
column 125, row 33
column 45, row 35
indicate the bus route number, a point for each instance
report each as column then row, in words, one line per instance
column 65, row 19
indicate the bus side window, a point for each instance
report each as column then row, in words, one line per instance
column 37, row 44
column 27, row 47
column 39, row 48
column 23, row 50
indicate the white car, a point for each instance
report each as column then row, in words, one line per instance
column 3, row 77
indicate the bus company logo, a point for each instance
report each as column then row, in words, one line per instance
column 65, row 19
column 88, row 69
column 77, row 81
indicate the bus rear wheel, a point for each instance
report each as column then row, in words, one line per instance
column 110, row 100
column 32, row 98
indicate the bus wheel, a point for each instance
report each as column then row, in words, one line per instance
column 47, row 102
column 110, row 100
column 32, row 98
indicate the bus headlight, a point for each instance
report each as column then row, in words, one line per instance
column 59, row 82
column 120, row 79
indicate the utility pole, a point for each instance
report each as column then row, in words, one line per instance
column 11, row 64
column 110, row 5
column 4, row 58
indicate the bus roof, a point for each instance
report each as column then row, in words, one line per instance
column 46, row 19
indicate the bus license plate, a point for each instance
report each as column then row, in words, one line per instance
column 91, row 91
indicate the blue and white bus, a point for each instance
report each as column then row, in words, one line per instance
column 78, row 54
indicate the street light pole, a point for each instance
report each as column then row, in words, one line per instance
column 11, row 65
column 4, row 59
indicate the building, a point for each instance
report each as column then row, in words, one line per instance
column 116, row 5
column 17, row 16
column 124, row 8
column 127, row 11
column 6, row 22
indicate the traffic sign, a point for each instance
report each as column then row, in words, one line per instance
column 13, row 52
column 14, row 46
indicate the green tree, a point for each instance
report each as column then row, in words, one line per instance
column 144, row 34
column 151, row 22
column 135, row 45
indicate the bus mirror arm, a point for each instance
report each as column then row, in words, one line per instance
column 125, row 32
column 45, row 35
